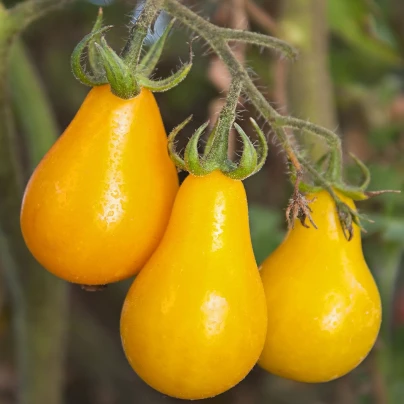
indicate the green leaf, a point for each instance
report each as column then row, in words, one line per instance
column 349, row 19
column 93, row 56
column 175, row 157
column 262, row 149
column 390, row 228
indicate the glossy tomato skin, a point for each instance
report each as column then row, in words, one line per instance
column 98, row 203
column 194, row 321
column 324, row 309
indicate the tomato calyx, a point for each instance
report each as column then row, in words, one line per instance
column 214, row 158
column 215, row 154
column 125, row 73
column 333, row 183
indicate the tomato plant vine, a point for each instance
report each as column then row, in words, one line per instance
column 218, row 39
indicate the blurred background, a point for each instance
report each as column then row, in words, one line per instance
column 349, row 78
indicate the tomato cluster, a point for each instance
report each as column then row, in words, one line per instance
column 103, row 203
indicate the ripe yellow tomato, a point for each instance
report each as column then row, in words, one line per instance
column 324, row 308
column 194, row 321
column 98, row 203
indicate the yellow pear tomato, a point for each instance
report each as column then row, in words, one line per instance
column 194, row 321
column 98, row 203
column 324, row 308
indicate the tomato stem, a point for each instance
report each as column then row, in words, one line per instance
column 218, row 153
column 133, row 47
column 152, row 56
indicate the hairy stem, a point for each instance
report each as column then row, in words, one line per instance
column 218, row 42
column 133, row 48
column 211, row 34
column 220, row 142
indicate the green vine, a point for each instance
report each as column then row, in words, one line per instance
column 217, row 38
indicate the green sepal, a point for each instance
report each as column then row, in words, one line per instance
column 211, row 138
column 94, row 59
column 347, row 216
column 248, row 161
column 262, row 148
column 307, row 188
column 152, row 56
column 365, row 172
column 178, row 161
column 346, row 219
column 192, row 160
column 358, row 194
column 123, row 83
column 169, row 82
column 159, row 86
column 78, row 70
column 215, row 156
column 355, row 193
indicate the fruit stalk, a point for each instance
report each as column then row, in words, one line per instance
column 219, row 144
column 131, row 52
